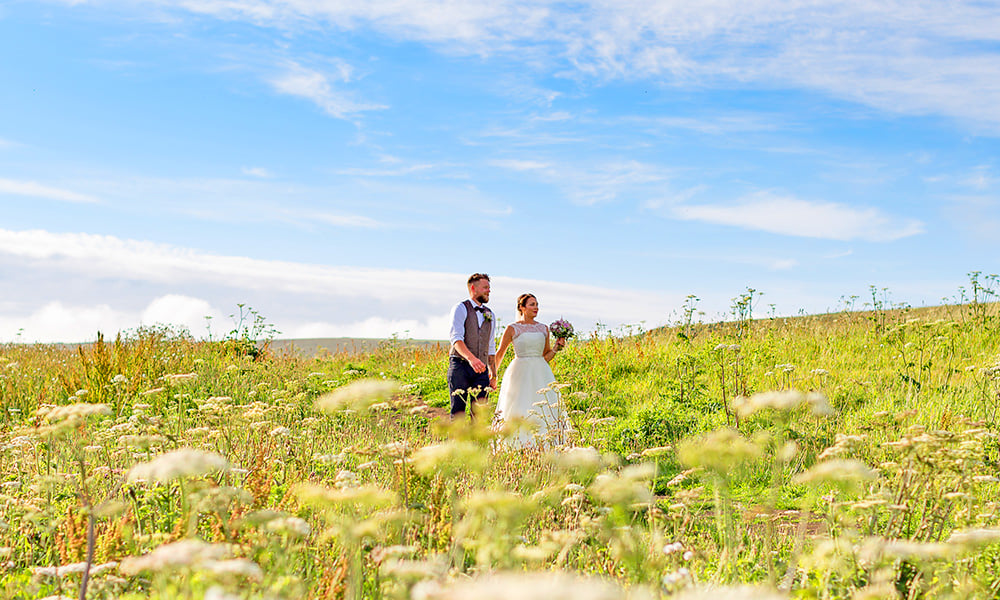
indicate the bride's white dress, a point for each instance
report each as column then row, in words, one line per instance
column 526, row 393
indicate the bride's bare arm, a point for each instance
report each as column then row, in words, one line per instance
column 548, row 353
column 508, row 337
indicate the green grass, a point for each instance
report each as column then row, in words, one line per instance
column 736, row 495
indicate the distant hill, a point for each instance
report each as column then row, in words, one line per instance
column 317, row 346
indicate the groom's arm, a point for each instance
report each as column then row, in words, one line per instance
column 491, row 353
column 464, row 352
column 493, row 370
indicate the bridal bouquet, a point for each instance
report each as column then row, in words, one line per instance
column 561, row 329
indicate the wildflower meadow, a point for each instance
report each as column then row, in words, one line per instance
column 846, row 455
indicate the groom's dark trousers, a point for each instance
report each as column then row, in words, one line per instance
column 465, row 384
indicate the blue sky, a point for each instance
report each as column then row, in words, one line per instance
column 342, row 166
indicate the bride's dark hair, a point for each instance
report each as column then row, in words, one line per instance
column 522, row 301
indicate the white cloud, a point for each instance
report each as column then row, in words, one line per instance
column 185, row 311
column 316, row 87
column 765, row 211
column 367, row 300
column 39, row 190
column 60, row 321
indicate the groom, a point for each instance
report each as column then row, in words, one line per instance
column 472, row 360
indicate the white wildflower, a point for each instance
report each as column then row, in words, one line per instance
column 396, row 449
column 780, row 400
column 217, row 593
column 76, row 411
column 240, row 567
column 579, row 459
column 176, row 378
column 177, row 555
column 677, row 578
column 358, row 395
column 345, row 479
column 71, row 569
column 975, row 538
column 290, row 525
column 672, row 548
column 731, row 593
column 185, row 462
column 523, row 586
column 657, row 451
column 330, row 459
column 837, row 471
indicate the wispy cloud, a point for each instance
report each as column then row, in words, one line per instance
column 34, row 189
column 981, row 178
column 396, row 172
column 978, row 214
column 255, row 199
column 259, row 172
column 318, row 88
column 908, row 58
column 520, row 165
column 341, row 220
column 785, row 215
column 714, row 124
column 595, row 183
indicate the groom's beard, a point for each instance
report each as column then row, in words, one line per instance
column 482, row 299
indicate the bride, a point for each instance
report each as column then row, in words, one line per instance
column 525, row 392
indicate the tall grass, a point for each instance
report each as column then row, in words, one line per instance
column 845, row 455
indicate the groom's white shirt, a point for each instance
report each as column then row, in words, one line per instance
column 458, row 315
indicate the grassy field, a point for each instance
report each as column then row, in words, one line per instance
column 849, row 455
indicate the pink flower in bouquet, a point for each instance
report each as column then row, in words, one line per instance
column 561, row 329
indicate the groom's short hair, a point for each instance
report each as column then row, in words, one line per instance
column 477, row 276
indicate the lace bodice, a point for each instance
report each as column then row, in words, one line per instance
column 529, row 340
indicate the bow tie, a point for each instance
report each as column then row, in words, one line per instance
column 481, row 309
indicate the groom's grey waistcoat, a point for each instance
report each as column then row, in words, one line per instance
column 477, row 337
